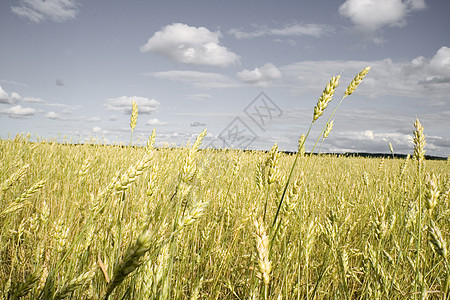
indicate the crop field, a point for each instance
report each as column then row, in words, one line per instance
column 111, row 222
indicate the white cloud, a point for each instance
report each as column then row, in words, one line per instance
column 262, row 76
column 39, row 10
column 153, row 122
column 123, row 104
column 33, row 100
column 18, row 111
column 419, row 78
column 4, row 97
column 52, row 115
column 96, row 129
column 315, row 30
column 369, row 16
column 190, row 45
column 369, row 141
column 198, row 79
column 15, row 97
column 440, row 62
column 7, row 99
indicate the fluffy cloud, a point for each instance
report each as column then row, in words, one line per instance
column 153, row 122
column 123, row 104
column 39, row 10
column 421, row 77
column 18, row 111
column 4, row 97
column 368, row 16
column 262, row 76
column 7, row 99
column 52, row 115
column 197, row 79
column 190, row 45
column 440, row 63
column 15, row 97
column 315, row 30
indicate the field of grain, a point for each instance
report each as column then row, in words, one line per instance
column 77, row 221
column 111, row 222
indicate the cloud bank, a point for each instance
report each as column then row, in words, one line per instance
column 419, row 78
column 18, row 111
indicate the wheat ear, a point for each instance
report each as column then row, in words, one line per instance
column 20, row 202
column 71, row 286
column 356, row 81
column 432, row 193
column 133, row 118
column 15, row 177
column 328, row 129
column 326, row 97
column 419, row 142
column 262, row 248
column 131, row 260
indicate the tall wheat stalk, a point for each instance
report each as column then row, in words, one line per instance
column 419, row 156
column 322, row 104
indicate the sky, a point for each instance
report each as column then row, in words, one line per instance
column 250, row 72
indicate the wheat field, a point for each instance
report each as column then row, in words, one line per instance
column 108, row 222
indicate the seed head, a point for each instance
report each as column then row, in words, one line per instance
column 134, row 115
column 326, row 97
column 262, row 247
column 419, row 142
column 356, row 81
column 328, row 129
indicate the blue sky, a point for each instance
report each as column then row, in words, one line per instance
column 249, row 71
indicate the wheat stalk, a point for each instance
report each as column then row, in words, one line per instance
column 419, row 142
column 419, row 155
